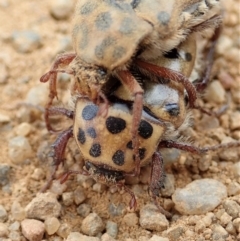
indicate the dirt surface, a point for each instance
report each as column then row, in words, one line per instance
column 21, row 71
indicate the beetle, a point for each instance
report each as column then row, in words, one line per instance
column 111, row 35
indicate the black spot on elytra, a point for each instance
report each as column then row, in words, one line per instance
column 118, row 157
column 87, row 8
column 81, row 136
column 103, row 21
column 141, row 152
column 145, row 129
column 188, row 57
column 173, row 109
column 130, row 145
column 102, row 47
column 95, row 150
column 172, row 54
column 118, row 52
column 89, row 112
column 115, row 125
column 91, row 132
column 127, row 26
column 163, row 17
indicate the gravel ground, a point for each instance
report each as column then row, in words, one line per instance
column 202, row 192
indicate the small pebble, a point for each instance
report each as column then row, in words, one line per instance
column 215, row 93
column 99, row 187
column 236, row 169
column 107, row 237
column 235, row 121
column 32, row 229
column 51, row 225
column 116, row 210
column 38, row 174
column 79, row 195
column 3, row 230
column 199, row 196
column 230, row 154
column 233, row 189
column 19, row 149
column 92, row 225
column 26, row 41
column 232, row 208
column 4, row 173
column 236, row 224
column 230, row 229
column 37, row 95
column 219, row 233
column 170, row 155
column 4, row 118
column 64, row 230
column 112, row 229
column 175, row 233
column 14, row 226
column 58, row 188
column 130, row 219
column 200, row 226
column 17, row 211
column 23, row 129
column 43, row 206
column 67, row 198
column 169, row 188
column 61, row 9
column 152, row 219
column 157, row 238
column 83, row 210
column 207, row 123
column 225, row 219
column 3, row 214
column 75, row 236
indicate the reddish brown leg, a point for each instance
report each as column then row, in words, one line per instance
column 157, row 180
column 59, row 147
column 133, row 202
column 131, row 83
column 172, row 75
column 197, row 150
column 204, row 81
column 51, row 76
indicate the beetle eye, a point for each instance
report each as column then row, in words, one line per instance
column 172, row 109
column 102, row 72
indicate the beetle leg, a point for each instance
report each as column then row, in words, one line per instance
column 131, row 83
column 56, row 111
column 172, row 75
column 204, row 81
column 197, row 150
column 157, row 181
column 59, row 147
column 133, row 202
column 51, row 76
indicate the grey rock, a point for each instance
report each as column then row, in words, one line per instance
column 170, row 155
column 232, row 208
column 84, row 209
column 3, row 214
column 75, row 236
column 4, row 172
column 37, row 95
column 26, row 41
column 152, row 219
column 112, row 229
column 199, row 196
column 219, row 233
column 19, row 149
column 175, row 233
column 116, row 210
column 43, row 206
column 67, row 198
column 92, row 225
column 79, row 195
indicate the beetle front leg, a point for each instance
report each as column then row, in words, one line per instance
column 131, row 83
column 51, row 76
column 157, row 181
column 59, row 147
